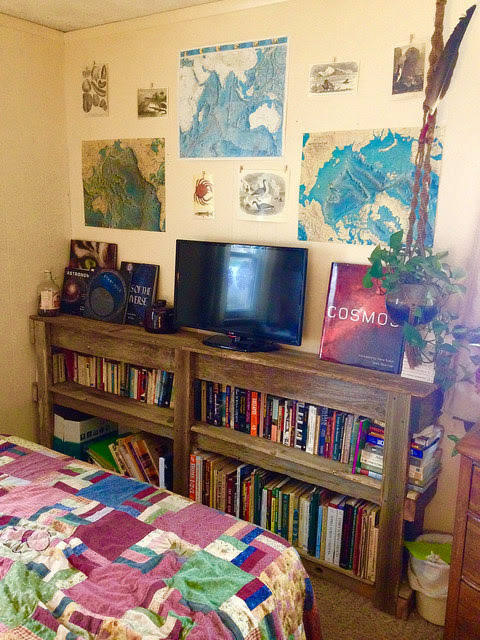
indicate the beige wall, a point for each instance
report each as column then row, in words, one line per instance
column 34, row 213
column 145, row 52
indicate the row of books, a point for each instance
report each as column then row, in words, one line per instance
column 333, row 527
column 319, row 430
column 141, row 455
column 152, row 386
column 424, row 456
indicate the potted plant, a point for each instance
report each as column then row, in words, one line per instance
column 417, row 285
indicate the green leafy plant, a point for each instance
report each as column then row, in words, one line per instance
column 393, row 267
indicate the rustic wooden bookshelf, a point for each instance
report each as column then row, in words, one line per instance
column 403, row 405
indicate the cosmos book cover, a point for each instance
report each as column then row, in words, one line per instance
column 357, row 329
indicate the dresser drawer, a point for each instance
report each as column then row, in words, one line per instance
column 468, row 616
column 471, row 555
column 475, row 491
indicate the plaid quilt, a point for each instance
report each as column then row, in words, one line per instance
column 89, row 554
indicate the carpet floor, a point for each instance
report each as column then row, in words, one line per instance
column 348, row 616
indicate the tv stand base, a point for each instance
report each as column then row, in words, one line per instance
column 237, row 343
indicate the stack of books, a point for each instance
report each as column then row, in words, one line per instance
column 333, row 527
column 140, row 455
column 424, row 459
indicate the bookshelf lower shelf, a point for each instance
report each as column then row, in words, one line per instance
column 126, row 411
column 298, row 464
column 282, row 459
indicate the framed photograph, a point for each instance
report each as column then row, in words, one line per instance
column 408, row 68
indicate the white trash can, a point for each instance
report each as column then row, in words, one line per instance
column 428, row 574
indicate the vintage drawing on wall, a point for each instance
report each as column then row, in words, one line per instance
column 408, row 68
column 232, row 100
column 261, row 195
column 95, row 89
column 203, row 195
column 124, row 183
column 333, row 77
column 152, row 103
column 356, row 186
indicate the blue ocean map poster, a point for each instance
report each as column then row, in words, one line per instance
column 356, row 186
column 232, row 100
column 124, row 183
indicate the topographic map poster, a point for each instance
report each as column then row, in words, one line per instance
column 356, row 186
column 232, row 100
column 124, row 183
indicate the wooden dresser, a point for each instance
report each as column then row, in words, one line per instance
column 463, row 602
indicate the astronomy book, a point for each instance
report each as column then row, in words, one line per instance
column 357, row 329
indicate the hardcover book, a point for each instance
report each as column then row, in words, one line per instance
column 74, row 290
column 143, row 289
column 90, row 254
column 357, row 329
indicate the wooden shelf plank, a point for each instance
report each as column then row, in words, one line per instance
column 126, row 411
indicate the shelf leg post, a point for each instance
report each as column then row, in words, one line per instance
column 182, row 421
column 44, row 376
column 391, row 526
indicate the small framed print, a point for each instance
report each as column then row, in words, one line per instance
column 408, row 68
column 333, row 77
column 262, row 195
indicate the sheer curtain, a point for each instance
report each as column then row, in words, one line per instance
column 463, row 399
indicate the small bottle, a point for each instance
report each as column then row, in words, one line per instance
column 48, row 296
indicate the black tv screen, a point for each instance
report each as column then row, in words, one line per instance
column 253, row 295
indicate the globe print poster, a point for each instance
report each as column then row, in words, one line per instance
column 124, row 183
column 232, row 100
column 356, row 186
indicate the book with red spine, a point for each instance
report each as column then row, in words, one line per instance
column 357, row 329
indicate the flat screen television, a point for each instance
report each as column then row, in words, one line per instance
column 252, row 295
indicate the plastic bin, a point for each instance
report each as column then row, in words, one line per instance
column 428, row 575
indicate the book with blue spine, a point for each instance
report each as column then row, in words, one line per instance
column 143, row 290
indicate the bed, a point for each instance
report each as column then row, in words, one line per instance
column 89, row 554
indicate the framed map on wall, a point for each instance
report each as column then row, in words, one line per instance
column 356, row 186
column 232, row 100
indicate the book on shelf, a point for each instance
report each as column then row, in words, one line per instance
column 142, row 291
column 356, row 328
column 90, row 254
column 74, row 290
column 100, row 453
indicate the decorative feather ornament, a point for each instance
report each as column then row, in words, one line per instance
column 442, row 73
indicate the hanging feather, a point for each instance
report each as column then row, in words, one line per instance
column 442, row 74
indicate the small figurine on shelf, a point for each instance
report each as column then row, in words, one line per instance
column 48, row 295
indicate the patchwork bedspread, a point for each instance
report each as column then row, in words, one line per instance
column 89, row 554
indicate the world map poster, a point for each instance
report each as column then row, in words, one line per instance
column 232, row 100
column 356, row 186
column 124, row 183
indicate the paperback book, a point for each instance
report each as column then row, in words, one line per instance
column 357, row 329
column 143, row 288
